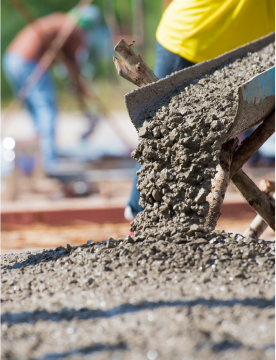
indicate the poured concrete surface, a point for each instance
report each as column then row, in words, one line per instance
column 125, row 299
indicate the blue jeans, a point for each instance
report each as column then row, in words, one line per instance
column 165, row 64
column 40, row 102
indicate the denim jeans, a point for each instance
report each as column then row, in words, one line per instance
column 40, row 102
column 165, row 64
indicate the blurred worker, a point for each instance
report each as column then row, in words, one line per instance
column 193, row 31
column 22, row 58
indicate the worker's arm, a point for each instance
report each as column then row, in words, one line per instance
column 74, row 44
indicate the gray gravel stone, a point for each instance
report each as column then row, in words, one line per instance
column 180, row 144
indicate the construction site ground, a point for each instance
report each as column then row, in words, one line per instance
column 88, row 304
column 99, row 216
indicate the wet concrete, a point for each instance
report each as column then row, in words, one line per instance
column 209, row 297
column 180, row 144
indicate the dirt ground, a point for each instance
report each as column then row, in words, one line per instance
column 187, row 298
column 41, row 236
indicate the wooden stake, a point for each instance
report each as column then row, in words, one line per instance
column 242, row 183
column 132, row 68
column 220, row 183
column 258, row 225
column 267, row 186
column 255, row 197
column 252, row 143
column 256, row 228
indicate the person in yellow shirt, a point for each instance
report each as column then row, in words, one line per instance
column 192, row 31
column 199, row 30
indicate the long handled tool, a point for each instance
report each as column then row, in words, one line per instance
column 30, row 19
column 53, row 52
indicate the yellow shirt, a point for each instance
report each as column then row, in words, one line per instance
column 200, row 30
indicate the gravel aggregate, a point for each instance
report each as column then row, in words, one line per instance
column 180, row 144
column 209, row 297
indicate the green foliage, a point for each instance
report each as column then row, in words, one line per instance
column 12, row 22
column 152, row 14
